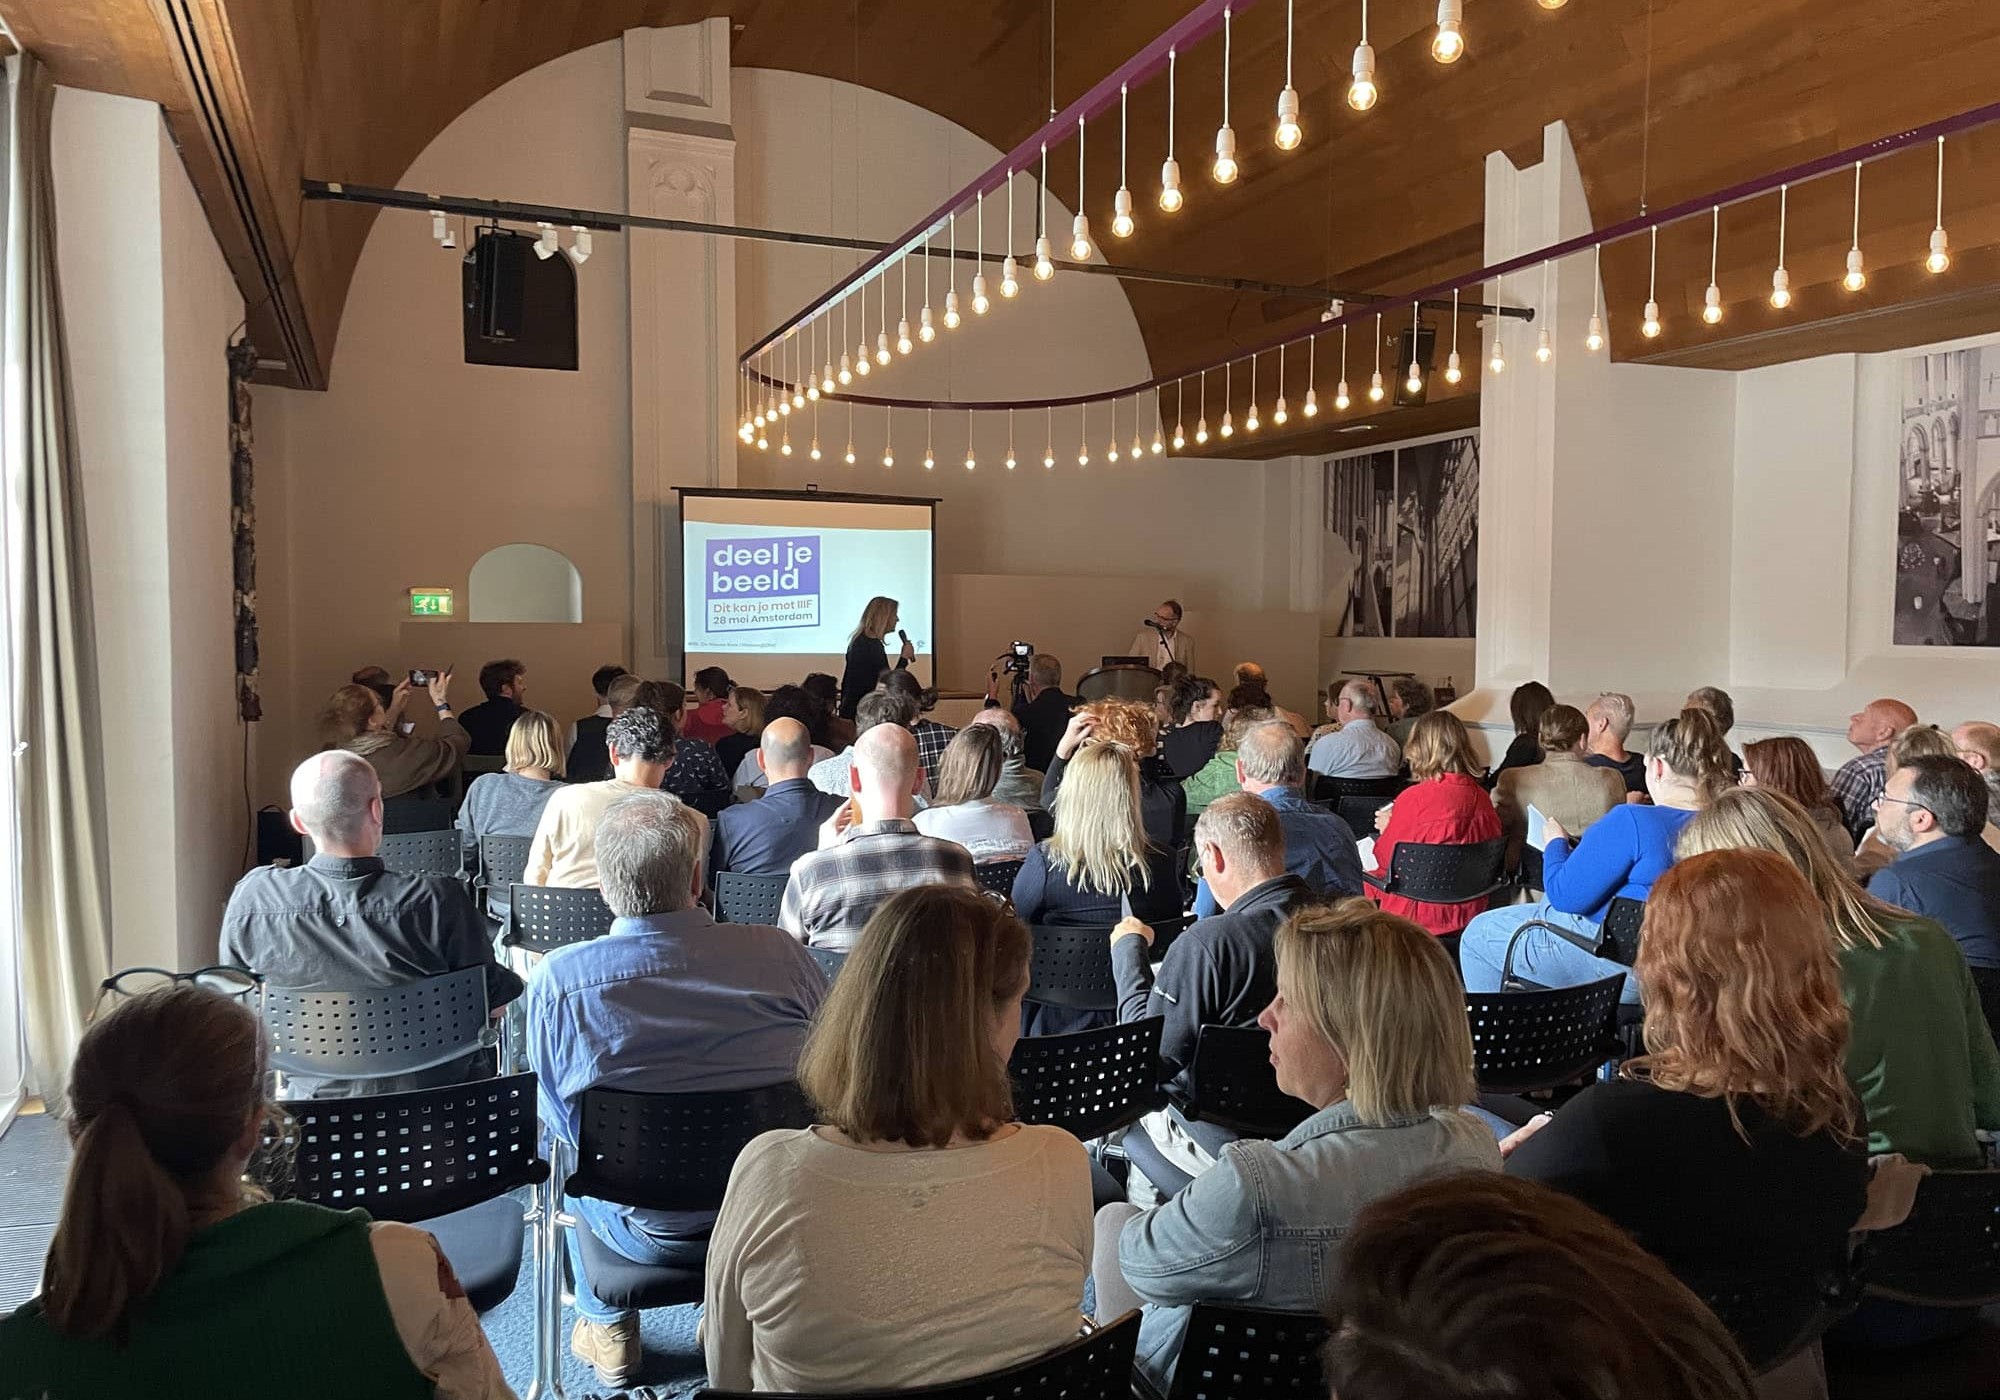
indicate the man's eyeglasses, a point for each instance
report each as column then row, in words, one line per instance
column 1901, row 802
column 137, row 981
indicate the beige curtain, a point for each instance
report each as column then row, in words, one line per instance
column 58, row 761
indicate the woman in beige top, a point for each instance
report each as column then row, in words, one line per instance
column 356, row 720
column 1561, row 787
column 918, row 1235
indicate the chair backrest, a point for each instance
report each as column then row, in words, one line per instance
column 748, row 899
column 1041, row 823
column 407, row 813
column 1089, row 1082
column 1072, row 967
column 1165, row 931
column 1234, row 1353
column 1356, row 800
column 1524, row 1041
column 420, row 1154
column 479, row 764
column 673, row 1151
column 998, row 875
column 1093, row 1367
column 711, row 802
column 1531, row 871
column 1947, row 1254
column 1621, row 930
column 424, row 852
column 376, row 1031
column 545, row 918
column 1448, row 874
column 503, row 860
column 830, row 961
column 1231, row 1084
column 1775, row 1315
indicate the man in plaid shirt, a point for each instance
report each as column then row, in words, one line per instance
column 1860, row 780
column 833, row 892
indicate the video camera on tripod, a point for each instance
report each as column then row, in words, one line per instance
column 1018, row 658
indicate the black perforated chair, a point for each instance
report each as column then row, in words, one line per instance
column 1947, row 1253
column 665, row 1152
column 1774, row 1316
column 1089, row 1083
column 1356, row 800
column 478, row 765
column 1446, row 874
column 1235, row 1353
column 424, row 853
column 401, row 815
column 1093, row 1367
column 1530, row 873
column 542, row 918
column 748, row 899
column 830, row 961
column 503, row 860
column 1071, row 967
column 997, row 876
column 1621, row 930
column 1526, row 1041
column 377, row 1032
column 1231, row 1084
column 443, row 1159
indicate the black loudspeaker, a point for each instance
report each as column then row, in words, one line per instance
column 1420, row 346
column 520, row 310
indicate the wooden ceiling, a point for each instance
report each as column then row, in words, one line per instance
column 1665, row 100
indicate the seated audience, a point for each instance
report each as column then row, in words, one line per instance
column 1731, row 1149
column 965, row 809
column 1163, row 707
column 1445, row 805
column 1624, row 853
column 1919, row 1053
column 1979, row 745
column 786, row 702
column 707, row 720
column 1610, row 718
column 932, row 738
column 510, row 802
column 834, row 892
column 764, row 837
column 1475, row 1286
column 1368, row 1026
column 1788, row 765
column 587, row 762
column 868, row 654
column 696, row 774
column 505, row 685
column 170, row 1275
column 1932, row 814
column 836, row 774
column 1359, row 748
column 1222, row 971
column 377, row 679
column 1196, row 732
column 743, row 722
column 1319, row 846
column 1722, row 708
column 1525, row 706
column 1099, row 865
column 1248, row 708
column 943, row 1239
column 1253, row 675
column 1409, row 701
column 1918, row 741
column 356, row 720
column 344, row 922
column 564, row 851
column 1043, row 710
column 1859, row 781
column 1561, row 786
column 830, row 729
column 1162, row 800
column 667, row 1002
column 1019, row 784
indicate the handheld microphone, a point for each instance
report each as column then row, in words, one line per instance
column 904, row 635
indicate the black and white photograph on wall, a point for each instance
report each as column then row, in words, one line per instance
column 1402, row 540
column 1948, row 500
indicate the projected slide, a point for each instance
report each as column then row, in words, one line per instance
column 773, row 585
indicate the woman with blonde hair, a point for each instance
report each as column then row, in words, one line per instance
column 743, row 714
column 1098, row 866
column 355, row 719
column 868, row 655
column 1730, row 1148
column 1917, row 741
column 964, row 808
column 1163, row 800
column 918, row 1234
column 510, row 802
column 1919, row 1052
column 1555, row 943
column 1788, row 765
column 1368, row 1027
column 168, row 1276
column 1445, row 806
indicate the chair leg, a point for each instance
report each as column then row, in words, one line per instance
column 546, row 1218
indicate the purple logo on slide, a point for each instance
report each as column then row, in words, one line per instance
column 753, row 584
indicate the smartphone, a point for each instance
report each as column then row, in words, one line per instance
column 422, row 677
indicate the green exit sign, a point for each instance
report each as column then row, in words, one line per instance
column 430, row 602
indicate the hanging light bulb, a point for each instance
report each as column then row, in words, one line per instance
column 930, row 462
column 1544, row 352
column 1361, row 92
column 1289, row 133
column 888, row 437
column 1083, row 437
column 1593, row 339
column 1138, row 446
column 1311, row 409
column 1045, row 264
column 1940, row 255
column 1711, row 300
column 926, row 332
column 1121, row 203
column 971, row 458
column 979, row 301
column 812, row 347
column 1278, row 413
column 1857, row 276
column 1170, row 169
column 1180, row 395
column 1227, row 429
column 1159, row 424
column 1010, row 270
column 1650, row 326
column 1224, row 170
column 1498, row 364
column 1781, row 280
column 1079, row 236
column 1200, row 430
column 1340, row 398
column 1414, row 380
column 1228, row 387
column 1010, row 439
column 1448, row 45
column 846, row 373
column 861, row 362
column 1045, row 251
column 1250, row 421
column 1375, row 389
column 903, row 342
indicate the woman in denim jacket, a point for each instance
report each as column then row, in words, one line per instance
column 1368, row 1024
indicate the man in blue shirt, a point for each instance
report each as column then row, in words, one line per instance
column 666, row 1002
column 1319, row 846
column 1933, row 811
column 764, row 837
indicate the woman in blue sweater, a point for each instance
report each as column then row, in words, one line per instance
column 1687, row 764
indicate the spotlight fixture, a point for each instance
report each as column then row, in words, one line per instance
column 1311, row 409
column 1448, row 45
column 1452, row 370
column 1010, row 270
column 1781, row 280
column 1170, row 169
column 1711, row 300
column 1593, row 339
column 1857, row 276
column 1375, row 384
column 1289, row 133
column 1340, row 398
column 1278, row 414
column 1079, row 238
column 1650, row 326
column 1224, row 169
column 441, row 227
column 1940, row 255
column 546, row 245
column 1121, row 203
column 1361, row 93
column 579, row 244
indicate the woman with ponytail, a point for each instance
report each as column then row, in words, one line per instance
column 168, row 1277
column 1687, row 767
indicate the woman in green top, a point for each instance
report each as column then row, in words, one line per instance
column 1920, row 1056
column 168, row 1278
column 1217, row 777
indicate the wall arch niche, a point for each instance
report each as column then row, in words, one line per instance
column 524, row 583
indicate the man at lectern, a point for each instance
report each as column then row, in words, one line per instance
column 1161, row 640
